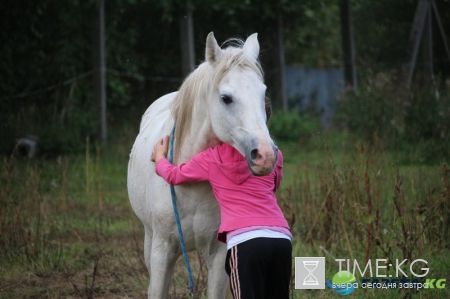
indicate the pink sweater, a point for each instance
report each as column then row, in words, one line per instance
column 244, row 199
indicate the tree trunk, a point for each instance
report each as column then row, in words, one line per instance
column 281, row 62
column 100, row 71
column 187, row 40
column 348, row 46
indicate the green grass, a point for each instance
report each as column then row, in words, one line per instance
column 340, row 194
column 67, row 229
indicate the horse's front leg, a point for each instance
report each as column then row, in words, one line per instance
column 162, row 261
column 217, row 277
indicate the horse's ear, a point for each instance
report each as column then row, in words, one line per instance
column 213, row 53
column 251, row 46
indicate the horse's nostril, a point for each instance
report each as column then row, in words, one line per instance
column 254, row 153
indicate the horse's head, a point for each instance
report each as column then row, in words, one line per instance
column 237, row 105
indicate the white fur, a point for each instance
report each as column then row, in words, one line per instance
column 209, row 121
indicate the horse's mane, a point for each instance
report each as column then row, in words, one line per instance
column 200, row 83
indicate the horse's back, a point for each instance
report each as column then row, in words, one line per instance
column 155, row 124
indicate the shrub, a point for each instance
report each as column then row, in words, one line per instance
column 414, row 122
column 292, row 126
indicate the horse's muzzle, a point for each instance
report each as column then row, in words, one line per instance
column 263, row 159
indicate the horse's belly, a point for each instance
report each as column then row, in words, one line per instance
column 198, row 212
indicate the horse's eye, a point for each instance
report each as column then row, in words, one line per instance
column 226, row 99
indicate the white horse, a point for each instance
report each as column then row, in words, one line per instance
column 222, row 100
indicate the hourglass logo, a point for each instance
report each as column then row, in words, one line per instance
column 309, row 273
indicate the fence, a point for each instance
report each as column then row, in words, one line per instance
column 314, row 88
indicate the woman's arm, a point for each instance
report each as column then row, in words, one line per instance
column 196, row 170
column 160, row 149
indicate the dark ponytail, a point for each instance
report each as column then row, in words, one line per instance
column 268, row 109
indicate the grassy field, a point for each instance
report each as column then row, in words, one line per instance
column 67, row 229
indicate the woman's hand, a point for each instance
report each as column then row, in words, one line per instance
column 160, row 149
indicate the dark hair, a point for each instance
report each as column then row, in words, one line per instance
column 268, row 109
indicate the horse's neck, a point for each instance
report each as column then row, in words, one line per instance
column 201, row 135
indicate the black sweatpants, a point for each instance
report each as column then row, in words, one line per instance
column 260, row 268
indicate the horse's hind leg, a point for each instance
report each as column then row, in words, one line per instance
column 217, row 277
column 162, row 261
column 148, row 253
column 148, row 248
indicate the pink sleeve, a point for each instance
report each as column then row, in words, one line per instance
column 278, row 171
column 196, row 170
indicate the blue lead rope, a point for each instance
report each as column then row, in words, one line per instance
column 177, row 217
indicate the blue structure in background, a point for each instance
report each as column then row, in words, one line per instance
column 314, row 88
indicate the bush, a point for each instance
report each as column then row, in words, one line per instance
column 414, row 122
column 293, row 126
